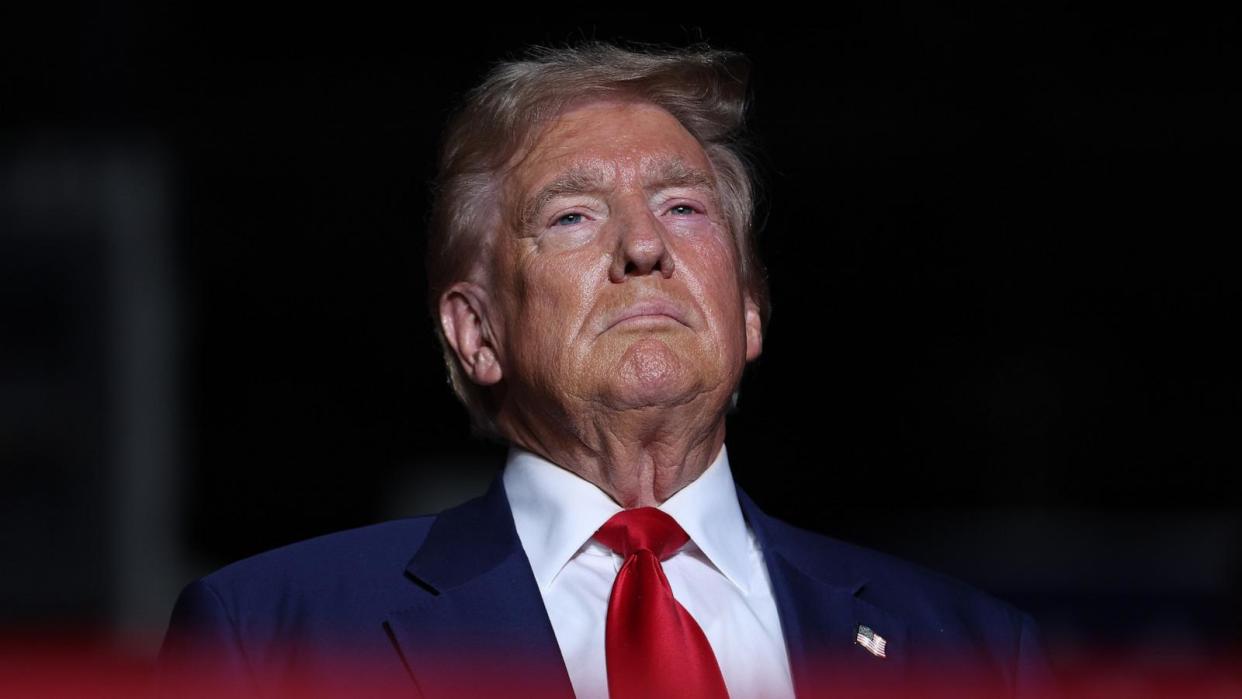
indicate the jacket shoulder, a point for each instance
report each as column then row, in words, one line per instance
column 944, row 617
column 356, row 553
column 334, row 586
column 299, row 613
column 937, row 607
column 878, row 572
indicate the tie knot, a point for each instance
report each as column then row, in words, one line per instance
column 643, row 528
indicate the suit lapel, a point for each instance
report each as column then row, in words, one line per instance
column 821, row 607
column 481, row 628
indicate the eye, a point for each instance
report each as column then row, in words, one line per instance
column 569, row 220
column 682, row 210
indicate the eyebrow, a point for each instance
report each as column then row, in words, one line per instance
column 579, row 179
column 662, row 173
column 673, row 172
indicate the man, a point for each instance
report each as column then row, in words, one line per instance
column 598, row 297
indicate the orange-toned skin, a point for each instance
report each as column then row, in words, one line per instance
column 611, row 319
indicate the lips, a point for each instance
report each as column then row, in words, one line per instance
column 654, row 311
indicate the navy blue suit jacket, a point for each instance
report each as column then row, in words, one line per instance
column 447, row 605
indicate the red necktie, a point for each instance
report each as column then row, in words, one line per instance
column 653, row 646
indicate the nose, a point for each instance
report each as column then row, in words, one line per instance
column 641, row 248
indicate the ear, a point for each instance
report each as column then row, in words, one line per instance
column 754, row 330
column 464, row 320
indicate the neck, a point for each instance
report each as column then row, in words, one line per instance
column 639, row 457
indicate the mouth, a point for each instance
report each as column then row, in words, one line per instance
column 648, row 314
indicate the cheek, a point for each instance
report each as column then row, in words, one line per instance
column 712, row 244
column 713, row 271
column 715, row 281
column 556, row 296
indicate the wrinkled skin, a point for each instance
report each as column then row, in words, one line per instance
column 612, row 323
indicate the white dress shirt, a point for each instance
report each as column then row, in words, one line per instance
column 719, row 576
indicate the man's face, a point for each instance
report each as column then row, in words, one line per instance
column 616, row 278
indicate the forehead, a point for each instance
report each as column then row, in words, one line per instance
column 618, row 138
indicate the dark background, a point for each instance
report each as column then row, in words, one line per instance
column 1001, row 245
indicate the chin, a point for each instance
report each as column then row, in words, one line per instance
column 650, row 374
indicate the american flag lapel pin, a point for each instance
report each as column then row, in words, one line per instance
column 872, row 641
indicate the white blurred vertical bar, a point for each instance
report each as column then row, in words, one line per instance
column 91, row 396
column 144, row 360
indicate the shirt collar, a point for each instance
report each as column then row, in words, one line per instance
column 555, row 512
column 708, row 511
